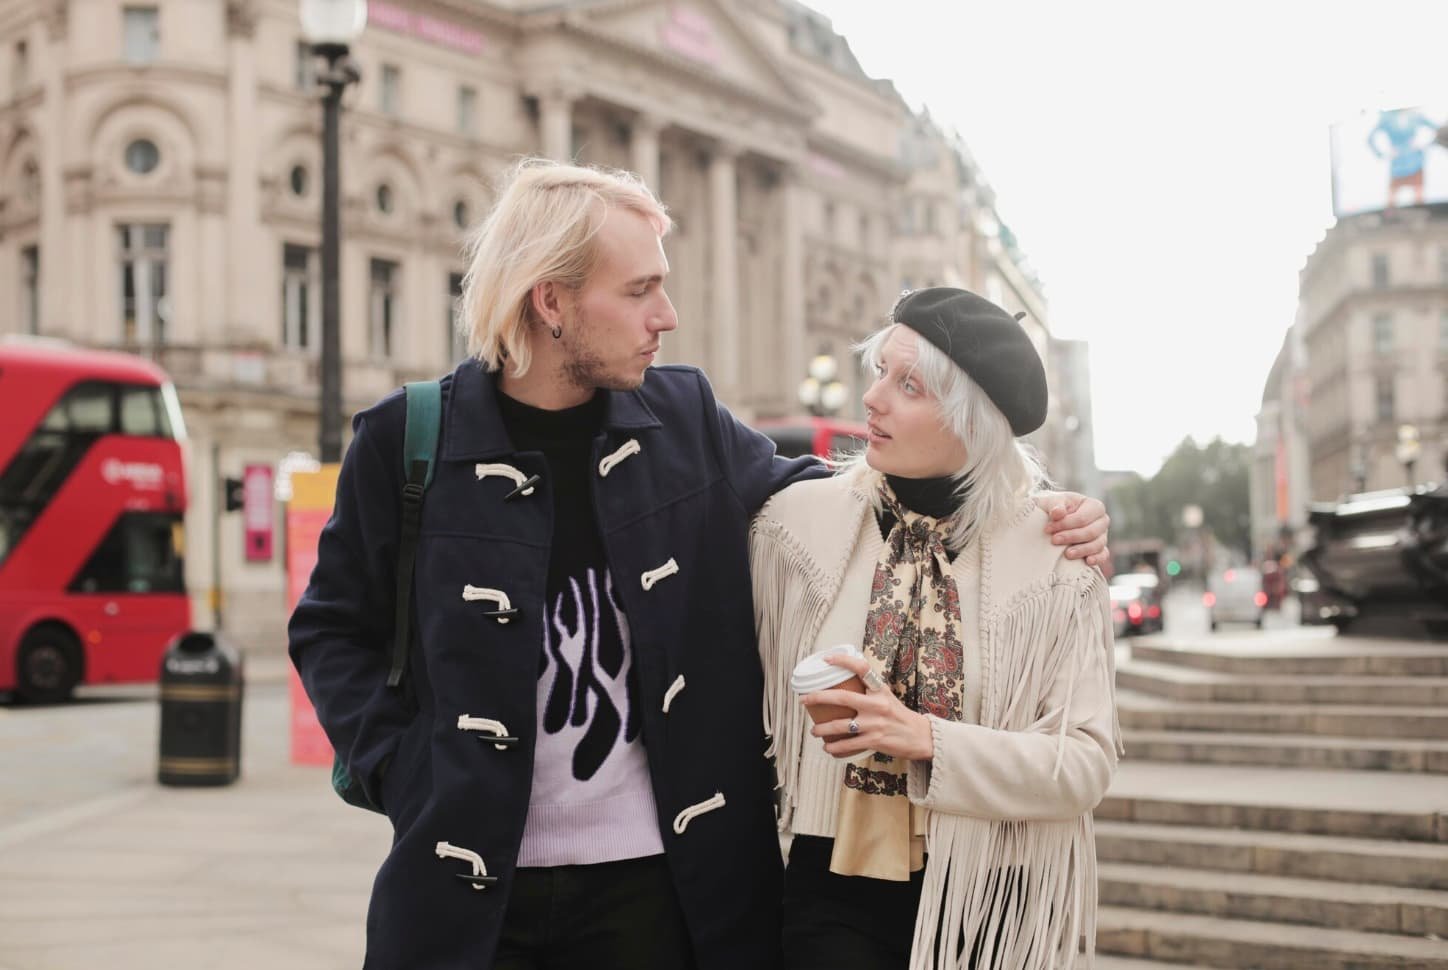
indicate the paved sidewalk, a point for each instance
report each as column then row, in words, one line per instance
column 271, row 872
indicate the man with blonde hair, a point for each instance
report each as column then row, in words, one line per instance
column 573, row 763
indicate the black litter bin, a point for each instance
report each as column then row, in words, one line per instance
column 200, row 712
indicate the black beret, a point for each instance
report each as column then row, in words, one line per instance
column 987, row 343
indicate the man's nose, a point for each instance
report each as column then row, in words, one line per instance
column 666, row 319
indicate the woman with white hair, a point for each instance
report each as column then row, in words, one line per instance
column 942, row 817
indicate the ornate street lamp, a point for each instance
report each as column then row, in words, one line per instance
column 820, row 392
column 331, row 26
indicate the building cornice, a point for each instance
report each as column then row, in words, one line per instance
column 161, row 73
column 800, row 112
column 1336, row 314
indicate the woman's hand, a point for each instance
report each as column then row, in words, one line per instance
column 1079, row 523
column 886, row 725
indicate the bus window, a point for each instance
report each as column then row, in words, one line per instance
column 87, row 408
column 141, row 412
column 138, row 555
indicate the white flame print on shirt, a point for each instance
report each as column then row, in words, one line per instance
column 586, row 653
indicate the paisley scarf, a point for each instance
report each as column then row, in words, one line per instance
column 912, row 634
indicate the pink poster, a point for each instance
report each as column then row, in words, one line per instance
column 256, row 512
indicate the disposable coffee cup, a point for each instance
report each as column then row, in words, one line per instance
column 812, row 674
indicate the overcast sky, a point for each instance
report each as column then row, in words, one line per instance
column 1165, row 167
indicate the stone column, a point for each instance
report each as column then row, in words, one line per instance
column 62, row 303
column 792, row 278
column 244, row 313
column 724, row 257
column 646, row 130
column 556, row 126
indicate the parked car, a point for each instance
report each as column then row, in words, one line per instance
column 1378, row 563
column 1136, row 603
column 1235, row 595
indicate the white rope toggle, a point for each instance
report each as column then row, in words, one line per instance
column 503, row 471
column 630, row 447
column 673, row 692
column 651, row 577
column 682, row 820
column 466, row 722
column 446, row 850
column 474, row 593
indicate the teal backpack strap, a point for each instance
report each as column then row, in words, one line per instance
column 419, row 448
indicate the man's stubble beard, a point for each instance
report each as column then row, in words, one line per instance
column 584, row 368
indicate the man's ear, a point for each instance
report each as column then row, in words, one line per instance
column 546, row 300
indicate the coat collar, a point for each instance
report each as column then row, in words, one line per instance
column 474, row 429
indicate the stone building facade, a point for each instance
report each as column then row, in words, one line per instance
column 1373, row 311
column 160, row 192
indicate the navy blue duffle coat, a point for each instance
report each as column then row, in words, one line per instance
column 673, row 515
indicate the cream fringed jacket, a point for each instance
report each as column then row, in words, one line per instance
column 1011, row 787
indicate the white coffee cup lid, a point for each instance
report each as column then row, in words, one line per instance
column 812, row 673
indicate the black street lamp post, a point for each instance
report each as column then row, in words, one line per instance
column 331, row 26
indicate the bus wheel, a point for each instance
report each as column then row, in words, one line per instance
column 47, row 666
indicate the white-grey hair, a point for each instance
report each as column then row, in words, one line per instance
column 999, row 469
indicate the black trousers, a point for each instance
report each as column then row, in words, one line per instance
column 608, row 916
column 834, row 922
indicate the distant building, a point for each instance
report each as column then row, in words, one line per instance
column 1280, row 487
column 1373, row 316
column 1071, row 451
column 160, row 185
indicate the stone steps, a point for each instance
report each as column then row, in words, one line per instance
column 1147, row 713
column 1289, row 751
column 1382, row 862
column 1314, row 657
column 1414, row 826
column 1251, row 945
column 1277, row 899
column 1190, row 684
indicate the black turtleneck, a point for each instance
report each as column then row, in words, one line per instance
column 935, row 497
column 566, row 440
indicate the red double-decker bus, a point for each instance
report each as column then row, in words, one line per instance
column 92, row 501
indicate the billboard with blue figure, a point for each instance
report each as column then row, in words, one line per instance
column 1388, row 159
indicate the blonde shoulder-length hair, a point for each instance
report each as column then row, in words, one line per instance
column 542, row 227
column 999, row 471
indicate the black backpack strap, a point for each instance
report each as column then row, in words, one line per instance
column 424, row 419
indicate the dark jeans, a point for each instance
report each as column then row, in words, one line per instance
column 608, row 916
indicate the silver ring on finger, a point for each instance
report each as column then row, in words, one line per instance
column 853, row 727
column 873, row 681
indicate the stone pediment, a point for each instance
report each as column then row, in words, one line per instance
column 703, row 34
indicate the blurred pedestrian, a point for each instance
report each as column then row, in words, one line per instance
column 945, row 819
column 573, row 765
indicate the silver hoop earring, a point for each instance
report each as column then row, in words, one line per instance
column 557, row 332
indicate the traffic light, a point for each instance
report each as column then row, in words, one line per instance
column 1173, row 568
column 232, row 488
